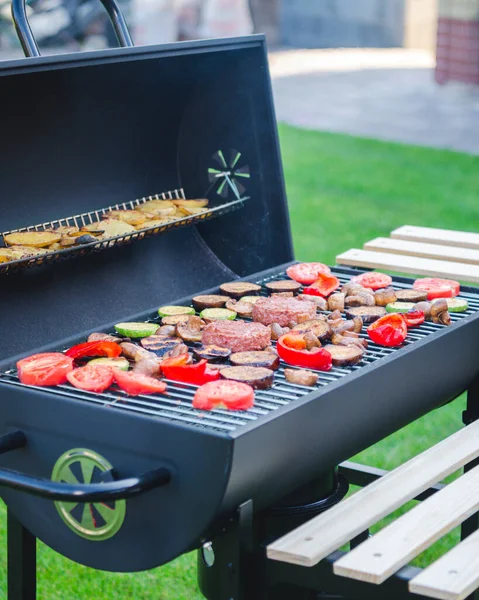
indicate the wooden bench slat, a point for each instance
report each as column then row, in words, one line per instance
column 453, row 576
column 405, row 538
column 409, row 264
column 448, row 237
column 313, row 541
column 436, row 251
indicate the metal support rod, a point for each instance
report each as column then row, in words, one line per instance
column 470, row 415
column 22, row 576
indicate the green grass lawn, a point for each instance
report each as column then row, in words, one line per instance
column 342, row 191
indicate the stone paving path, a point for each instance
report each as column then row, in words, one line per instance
column 384, row 94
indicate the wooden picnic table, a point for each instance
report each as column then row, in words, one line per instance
column 454, row 576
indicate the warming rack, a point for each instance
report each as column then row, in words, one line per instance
column 176, row 404
column 95, row 216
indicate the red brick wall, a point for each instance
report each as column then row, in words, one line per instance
column 457, row 51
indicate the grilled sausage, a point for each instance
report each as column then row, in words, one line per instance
column 134, row 352
column 301, row 377
column 345, row 355
column 255, row 359
column 259, row 378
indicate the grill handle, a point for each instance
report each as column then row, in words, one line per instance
column 94, row 492
column 27, row 40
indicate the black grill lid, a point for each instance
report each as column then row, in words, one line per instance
column 91, row 130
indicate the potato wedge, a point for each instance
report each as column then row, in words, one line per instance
column 197, row 203
column 67, row 229
column 93, row 228
column 37, row 239
column 188, row 211
column 7, row 255
column 27, row 251
column 114, row 227
column 157, row 207
column 153, row 223
column 133, row 217
column 55, row 246
column 67, row 241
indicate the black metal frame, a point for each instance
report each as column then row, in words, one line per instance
column 249, row 575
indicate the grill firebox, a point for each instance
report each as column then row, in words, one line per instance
column 221, row 459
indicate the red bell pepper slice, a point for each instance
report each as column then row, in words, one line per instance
column 176, row 369
column 100, row 348
column 390, row 330
column 414, row 318
column 292, row 349
column 324, row 285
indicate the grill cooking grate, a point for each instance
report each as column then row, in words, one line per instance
column 175, row 405
column 95, row 216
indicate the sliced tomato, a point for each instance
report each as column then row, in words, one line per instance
column 307, row 273
column 233, row 395
column 373, row 280
column 92, row 378
column 135, row 384
column 414, row 318
column 45, row 369
column 100, row 348
column 438, row 288
column 324, row 286
column 390, row 330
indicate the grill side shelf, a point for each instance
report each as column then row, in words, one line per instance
column 93, row 217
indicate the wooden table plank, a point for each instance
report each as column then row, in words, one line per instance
column 317, row 538
column 409, row 264
column 405, row 538
column 447, row 237
column 454, row 576
column 436, row 251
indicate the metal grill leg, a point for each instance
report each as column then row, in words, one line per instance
column 22, row 576
column 471, row 414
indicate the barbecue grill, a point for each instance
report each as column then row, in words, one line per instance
column 127, row 484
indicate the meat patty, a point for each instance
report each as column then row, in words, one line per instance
column 283, row 310
column 238, row 336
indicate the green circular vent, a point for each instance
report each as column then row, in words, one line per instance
column 94, row 521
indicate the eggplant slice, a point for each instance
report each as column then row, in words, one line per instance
column 285, row 285
column 411, row 296
column 259, row 378
column 344, row 355
column 160, row 344
column 209, row 301
column 212, row 353
column 238, row 289
column 255, row 359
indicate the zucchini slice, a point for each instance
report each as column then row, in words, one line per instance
column 170, row 311
column 212, row 314
column 457, row 304
column 115, row 363
column 400, row 307
column 136, row 330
